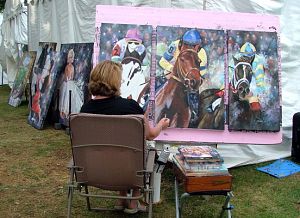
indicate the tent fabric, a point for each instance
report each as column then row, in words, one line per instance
column 72, row 21
column 3, row 75
column 14, row 33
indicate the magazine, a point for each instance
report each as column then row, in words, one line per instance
column 200, row 169
column 200, row 154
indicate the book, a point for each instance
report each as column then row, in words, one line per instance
column 199, row 154
column 199, row 169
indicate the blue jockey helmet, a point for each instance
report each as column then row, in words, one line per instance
column 191, row 37
column 248, row 49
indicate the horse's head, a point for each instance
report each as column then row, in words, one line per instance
column 186, row 70
column 242, row 76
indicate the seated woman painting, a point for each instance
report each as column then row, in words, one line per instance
column 105, row 83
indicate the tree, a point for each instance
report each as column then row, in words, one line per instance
column 2, row 5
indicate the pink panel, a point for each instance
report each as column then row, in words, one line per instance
column 198, row 19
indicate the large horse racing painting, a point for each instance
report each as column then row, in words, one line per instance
column 254, row 99
column 190, row 77
column 217, row 81
column 190, row 68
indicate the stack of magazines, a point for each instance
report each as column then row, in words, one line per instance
column 200, row 161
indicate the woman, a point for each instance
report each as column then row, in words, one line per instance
column 104, row 85
column 68, row 84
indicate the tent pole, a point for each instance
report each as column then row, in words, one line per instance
column 204, row 5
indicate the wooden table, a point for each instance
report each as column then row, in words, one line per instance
column 203, row 185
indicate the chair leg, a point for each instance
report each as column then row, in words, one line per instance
column 150, row 204
column 88, row 204
column 70, row 198
column 70, row 191
column 176, row 199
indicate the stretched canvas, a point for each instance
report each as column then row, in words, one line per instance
column 130, row 45
column 73, row 69
column 42, row 84
column 199, row 101
column 190, row 78
column 22, row 76
column 254, row 100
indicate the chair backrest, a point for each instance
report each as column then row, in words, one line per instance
column 108, row 150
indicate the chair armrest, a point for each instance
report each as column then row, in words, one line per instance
column 150, row 161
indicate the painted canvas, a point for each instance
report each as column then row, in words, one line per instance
column 190, row 77
column 73, row 69
column 22, row 76
column 42, row 83
column 254, row 98
column 130, row 45
column 197, row 101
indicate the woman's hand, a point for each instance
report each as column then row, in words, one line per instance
column 164, row 123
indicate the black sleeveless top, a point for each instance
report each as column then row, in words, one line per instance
column 115, row 105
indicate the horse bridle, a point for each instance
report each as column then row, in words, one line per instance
column 188, row 83
column 237, row 82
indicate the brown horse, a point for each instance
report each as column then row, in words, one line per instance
column 211, row 109
column 172, row 100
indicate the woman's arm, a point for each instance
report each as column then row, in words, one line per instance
column 153, row 132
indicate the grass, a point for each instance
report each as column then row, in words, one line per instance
column 33, row 178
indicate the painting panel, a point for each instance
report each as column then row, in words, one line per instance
column 254, row 98
column 190, row 77
column 21, row 79
column 130, row 45
column 74, row 67
column 42, row 83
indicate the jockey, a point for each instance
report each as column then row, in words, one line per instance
column 248, row 51
column 191, row 39
column 129, row 48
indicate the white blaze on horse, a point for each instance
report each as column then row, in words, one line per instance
column 241, row 78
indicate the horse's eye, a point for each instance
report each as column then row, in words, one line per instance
column 247, row 90
column 241, row 88
column 201, row 80
column 186, row 82
column 193, row 82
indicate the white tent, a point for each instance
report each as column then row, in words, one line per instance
column 14, row 35
column 71, row 21
column 3, row 75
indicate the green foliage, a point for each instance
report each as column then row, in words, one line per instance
column 34, row 177
column 2, row 5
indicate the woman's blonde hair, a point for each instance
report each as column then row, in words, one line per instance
column 105, row 79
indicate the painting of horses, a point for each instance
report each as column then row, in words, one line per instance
column 24, row 71
column 254, row 97
column 189, row 79
column 130, row 45
column 42, row 83
column 73, row 71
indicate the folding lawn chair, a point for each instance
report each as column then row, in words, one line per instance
column 109, row 153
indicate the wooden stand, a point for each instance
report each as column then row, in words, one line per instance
column 203, row 185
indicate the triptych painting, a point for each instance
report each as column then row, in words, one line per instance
column 203, row 78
